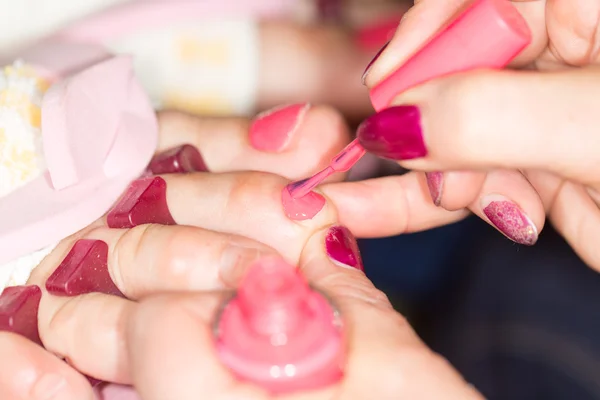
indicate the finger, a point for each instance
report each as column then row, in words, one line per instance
column 238, row 204
column 427, row 17
column 175, row 331
column 292, row 141
column 574, row 214
column 156, row 258
column 28, row 372
column 392, row 205
column 88, row 331
column 454, row 190
column 508, row 120
column 386, row 359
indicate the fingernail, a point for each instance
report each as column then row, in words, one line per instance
column 330, row 10
column 273, row 130
column 50, row 387
column 370, row 65
column 144, row 202
column 435, row 183
column 235, row 260
column 509, row 219
column 179, row 160
column 83, row 270
column 341, row 246
column 19, row 311
column 394, row 133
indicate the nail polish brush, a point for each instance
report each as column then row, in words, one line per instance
column 486, row 34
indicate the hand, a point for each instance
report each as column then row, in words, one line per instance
column 512, row 146
column 386, row 359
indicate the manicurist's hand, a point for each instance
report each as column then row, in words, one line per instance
column 514, row 147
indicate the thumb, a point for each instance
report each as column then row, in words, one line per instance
column 483, row 120
column 427, row 17
column 386, row 359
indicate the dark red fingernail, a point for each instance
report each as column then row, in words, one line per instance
column 368, row 69
column 19, row 311
column 509, row 219
column 394, row 133
column 84, row 270
column 342, row 247
column 144, row 202
column 179, row 160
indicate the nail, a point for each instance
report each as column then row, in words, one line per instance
column 342, row 247
column 83, row 270
column 179, row 160
column 330, row 10
column 394, row 133
column 19, row 311
column 509, row 219
column 435, row 183
column 144, row 202
column 370, row 65
column 51, row 386
column 273, row 130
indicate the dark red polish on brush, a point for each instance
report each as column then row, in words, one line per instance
column 144, row 202
column 84, row 270
column 179, row 160
column 19, row 311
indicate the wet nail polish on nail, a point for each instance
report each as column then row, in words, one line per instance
column 342, row 247
column 179, row 160
column 394, row 133
column 368, row 68
column 83, row 270
column 144, row 202
column 435, row 183
column 19, row 311
column 273, row 130
column 509, row 219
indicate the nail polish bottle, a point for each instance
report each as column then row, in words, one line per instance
column 279, row 333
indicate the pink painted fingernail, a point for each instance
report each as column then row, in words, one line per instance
column 19, row 311
column 435, row 183
column 179, row 160
column 342, row 247
column 370, row 65
column 509, row 219
column 394, row 133
column 144, row 202
column 83, row 270
column 273, row 130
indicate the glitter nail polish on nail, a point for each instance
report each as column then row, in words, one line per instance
column 19, row 311
column 144, row 202
column 179, row 160
column 394, row 133
column 342, row 247
column 83, row 270
column 509, row 219
column 435, row 183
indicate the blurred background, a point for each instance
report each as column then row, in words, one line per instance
column 518, row 322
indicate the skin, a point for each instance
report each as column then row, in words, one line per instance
column 137, row 337
column 527, row 133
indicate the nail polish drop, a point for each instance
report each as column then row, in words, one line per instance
column 302, row 208
column 19, row 311
column 83, row 270
column 279, row 333
column 144, row 202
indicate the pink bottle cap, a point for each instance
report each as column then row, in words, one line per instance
column 279, row 333
column 488, row 34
